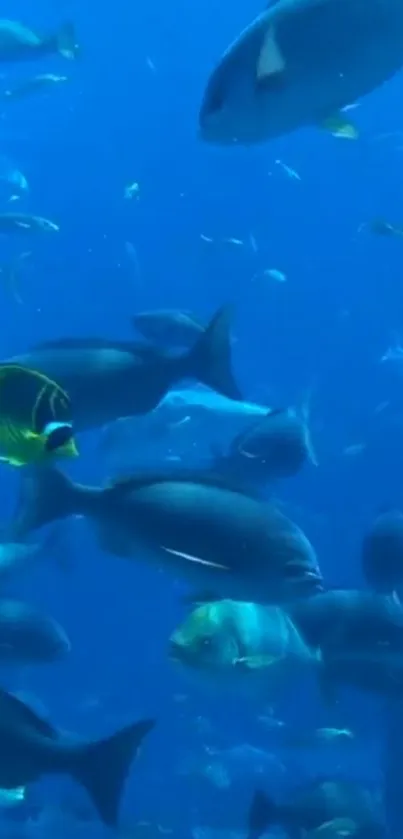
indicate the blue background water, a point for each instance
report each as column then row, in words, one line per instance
column 120, row 120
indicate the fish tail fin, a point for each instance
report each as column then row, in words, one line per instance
column 209, row 361
column 102, row 768
column 263, row 813
column 66, row 41
column 46, row 495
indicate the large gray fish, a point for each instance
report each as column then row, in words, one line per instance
column 31, row 747
column 186, row 425
column 29, row 637
column 225, row 542
column 108, row 379
column 360, row 637
column 299, row 63
column 19, row 43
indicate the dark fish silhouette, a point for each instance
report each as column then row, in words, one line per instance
column 219, row 538
column 31, row 747
column 27, row 636
column 110, row 379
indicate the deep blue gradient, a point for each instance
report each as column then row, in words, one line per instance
column 119, row 120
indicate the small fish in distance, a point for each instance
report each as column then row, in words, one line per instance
column 384, row 228
column 42, row 82
column 19, row 43
column 23, row 223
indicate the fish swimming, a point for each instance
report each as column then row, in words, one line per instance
column 218, row 538
column 187, row 424
column 35, row 417
column 339, row 637
column 299, row 63
column 108, row 379
column 31, row 747
column 275, row 447
column 168, row 328
column 244, row 646
column 314, row 804
column 19, row 43
column 28, row 637
column 36, row 84
column 24, row 223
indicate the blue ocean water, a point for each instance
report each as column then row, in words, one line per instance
column 129, row 114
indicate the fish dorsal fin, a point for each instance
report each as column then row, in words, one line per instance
column 127, row 483
column 271, row 62
column 22, row 714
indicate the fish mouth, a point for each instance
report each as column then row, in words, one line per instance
column 181, row 654
column 176, row 650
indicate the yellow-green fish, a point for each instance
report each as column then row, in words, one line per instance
column 35, row 417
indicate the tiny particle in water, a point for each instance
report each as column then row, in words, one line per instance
column 355, row 449
column 132, row 190
column 292, row 173
column 232, row 241
column 150, row 64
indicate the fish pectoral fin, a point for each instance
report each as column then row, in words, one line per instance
column 271, row 63
column 339, row 126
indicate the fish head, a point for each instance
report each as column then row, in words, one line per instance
column 278, row 444
column 246, row 88
column 205, row 641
